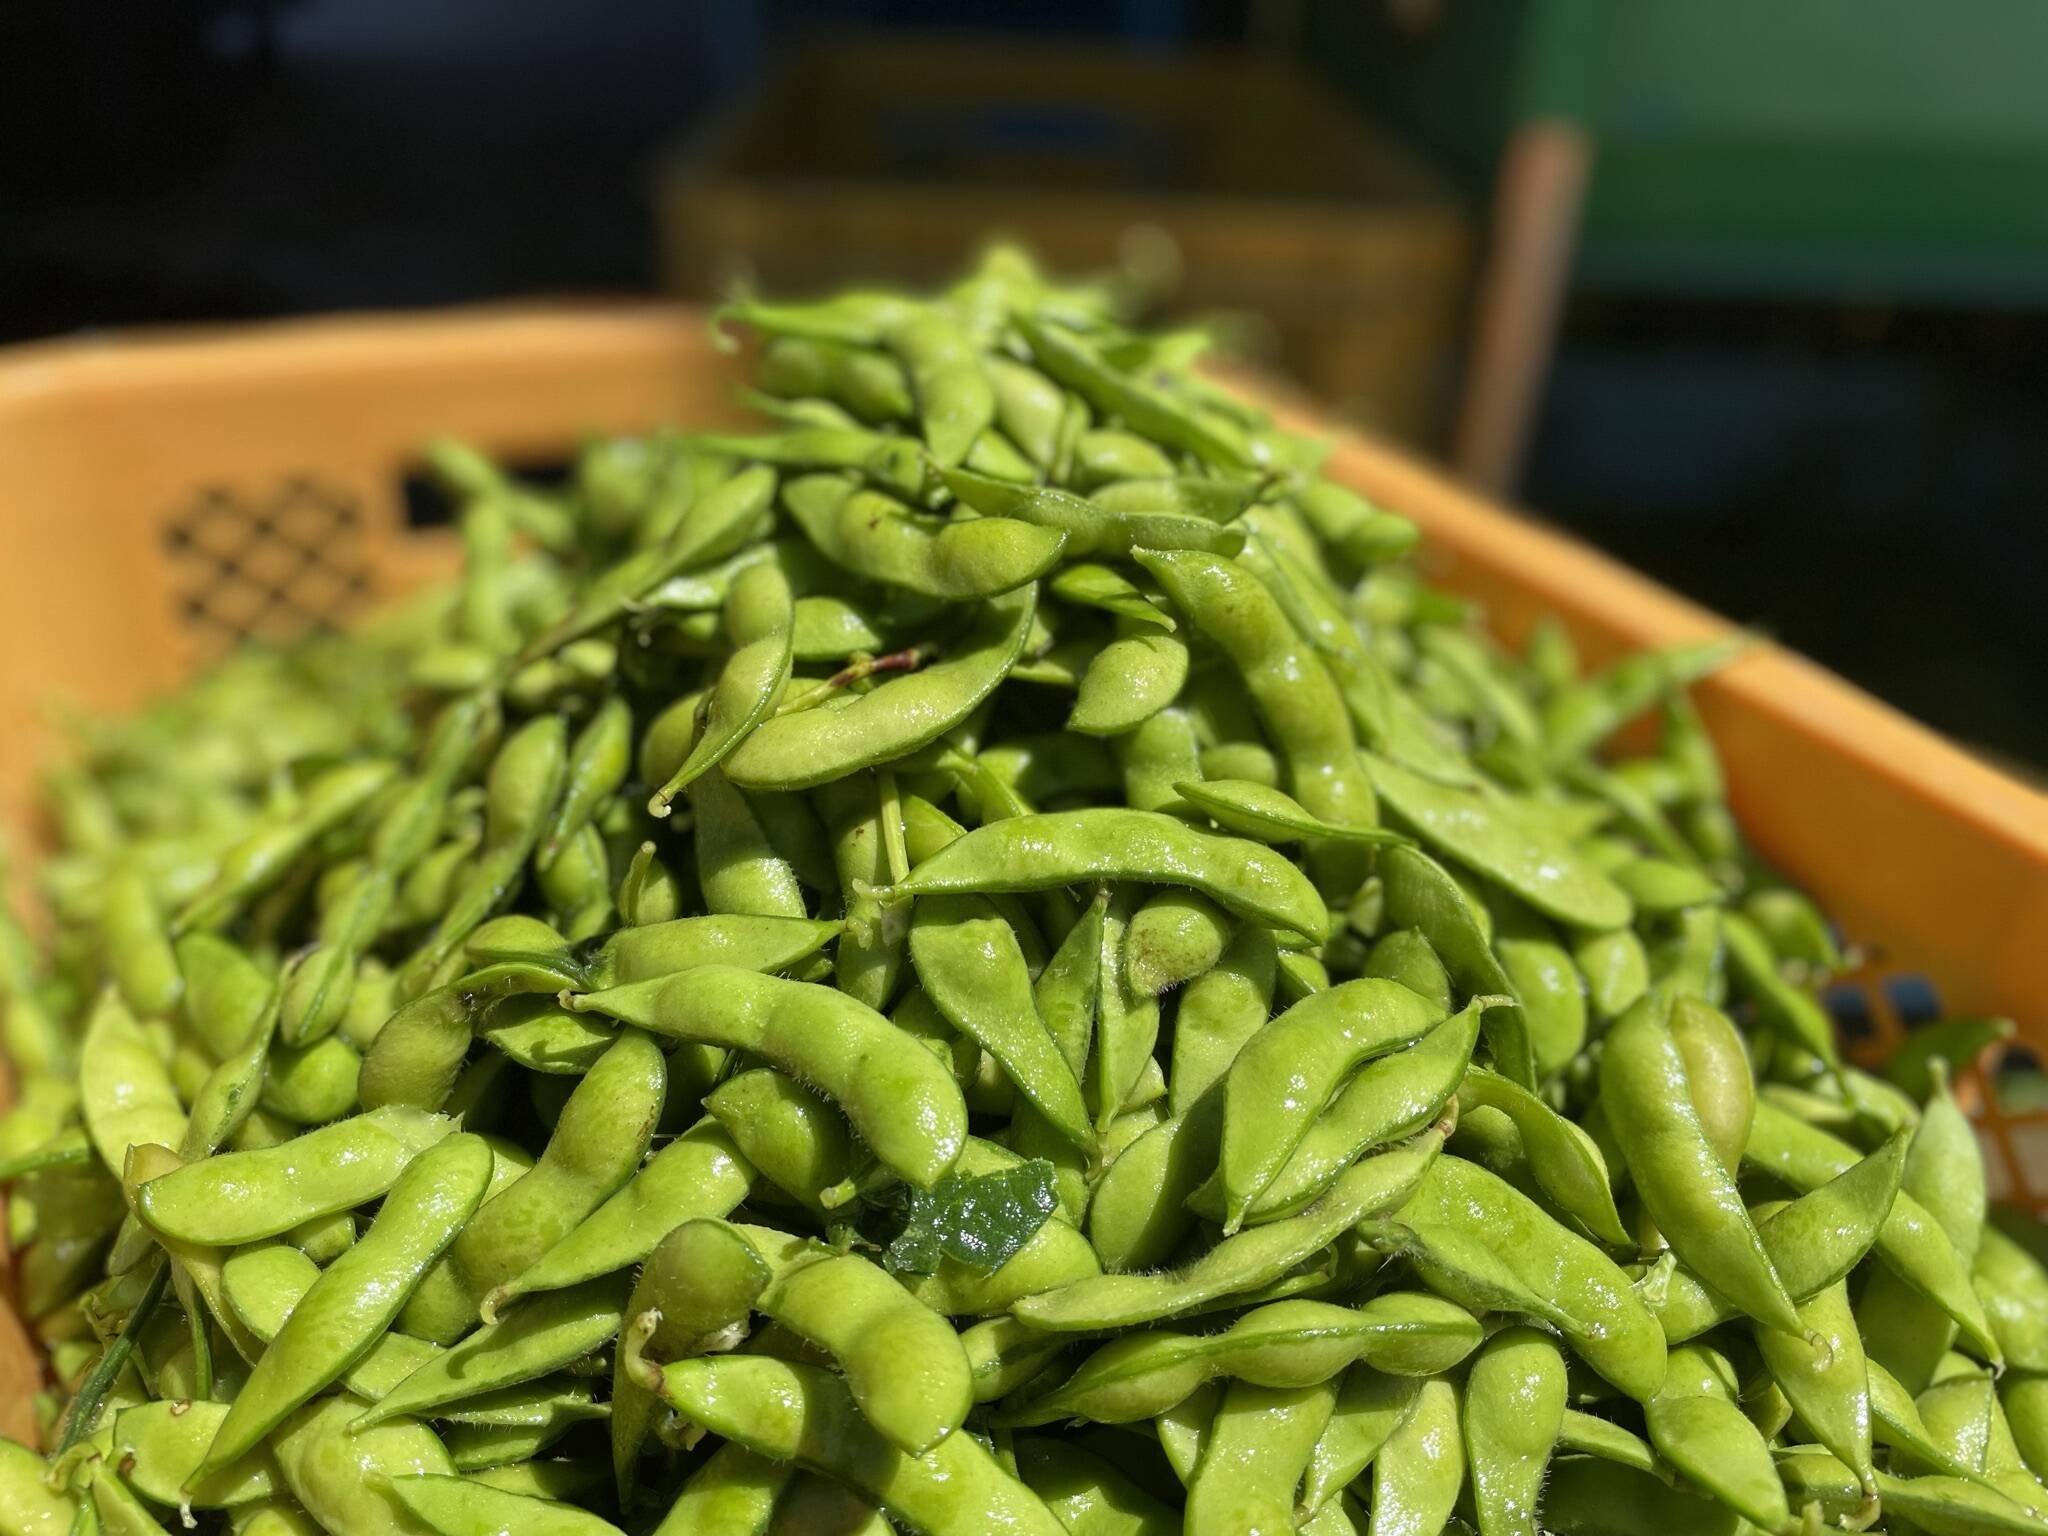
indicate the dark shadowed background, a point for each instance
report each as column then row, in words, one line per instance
column 1797, row 369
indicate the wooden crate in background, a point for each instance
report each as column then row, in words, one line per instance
column 892, row 161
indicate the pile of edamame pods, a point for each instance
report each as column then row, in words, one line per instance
column 984, row 958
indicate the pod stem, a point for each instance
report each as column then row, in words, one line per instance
column 85, row 1406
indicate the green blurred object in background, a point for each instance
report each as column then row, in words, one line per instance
column 1887, row 146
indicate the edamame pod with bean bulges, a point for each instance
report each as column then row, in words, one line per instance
column 985, row 957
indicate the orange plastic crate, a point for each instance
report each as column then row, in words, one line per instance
column 165, row 496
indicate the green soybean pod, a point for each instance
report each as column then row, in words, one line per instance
column 1140, row 1210
column 1219, row 1011
column 1718, row 1076
column 1552, row 993
column 1589, row 1496
column 1102, row 455
column 599, row 759
column 1003, row 1355
column 973, row 970
column 1089, row 1495
column 1242, row 1263
column 738, row 869
column 711, row 526
column 121, row 1513
column 538, row 1337
column 239, row 1197
column 343, row 1479
column 799, row 1413
column 312, row 1084
column 1589, row 1435
column 1961, row 1412
column 1779, row 1005
column 1420, row 1468
column 265, row 1281
column 875, row 536
column 867, row 963
column 162, row 1446
column 1296, row 698
column 868, row 383
column 1404, row 955
column 225, row 991
column 1086, row 583
column 748, row 684
column 903, row 1362
column 1910, row 1241
column 700, row 1283
column 1511, row 1411
column 1128, row 681
column 1648, row 1096
column 1040, row 852
column 805, row 749
column 1565, row 1160
column 1895, row 1423
column 1828, row 1385
column 1370, row 1406
column 1578, row 717
column 1695, row 1424
column 358, row 1295
column 1616, row 968
column 662, row 948
column 1029, row 406
column 137, row 944
column 1421, row 894
column 1356, row 528
column 535, row 1031
column 700, row 1173
column 1944, row 1171
column 2013, row 1288
column 1943, row 1506
column 1175, row 937
column 955, row 400
column 1092, row 527
column 459, row 1506
column 1156, row 758
column 733, row 1493
column 821, row 1506
column 1252, row 806
column 28, row 1505
column 1147, row 410
column 1814, row 1240
column 1257, row 1448
column 596, row 1147
column 419, row 1052
column 1390, row 1097
column 1476, row 1239
column 523, row 783
column 2025, row 1400
column 1945, row 1168
column 1126, row 1025
column 792, row 1138
column 1282, row 1344
column 127, row 1096
column 902, row 1100
column 1286, row 1073
column 1465, row 826
column 259, row 860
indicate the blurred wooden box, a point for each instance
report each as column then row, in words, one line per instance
column 892, row 161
